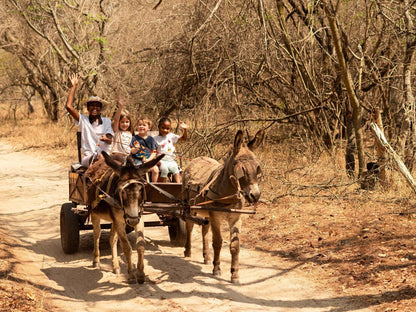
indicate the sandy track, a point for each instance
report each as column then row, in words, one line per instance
column 29, row 210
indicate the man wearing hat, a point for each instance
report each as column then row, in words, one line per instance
column 96, row 131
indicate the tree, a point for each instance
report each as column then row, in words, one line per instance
column 53, row 38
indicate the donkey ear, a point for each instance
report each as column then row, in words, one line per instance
column 256, row 142
column 130, row 161
column 111, row 162
column 238, row 141
column 147, row 165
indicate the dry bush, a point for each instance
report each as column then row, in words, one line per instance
column 361, row 242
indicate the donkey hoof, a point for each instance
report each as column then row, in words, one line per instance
column 187, row 254
column 216, row 272
column 141, row 278
column 132, row 280
column 207, row 261
column 96, row 264
column 116, row 271
column 235, row 280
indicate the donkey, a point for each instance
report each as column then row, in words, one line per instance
column 124, row 207
column 223, row 186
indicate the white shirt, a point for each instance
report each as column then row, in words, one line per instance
column 165, row 145
column 91, row 133
column 121, row 143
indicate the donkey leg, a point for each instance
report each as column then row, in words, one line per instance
column 205, row 244
column 114, row 255
column 95, row 220
column 216, row 244
column 125, row 245
column 140, row 243
column 188, row 243
column 235, row 226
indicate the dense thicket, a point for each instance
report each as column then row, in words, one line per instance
column 224, row 62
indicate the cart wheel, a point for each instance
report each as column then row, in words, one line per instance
column 69, row 229
column 177, row 232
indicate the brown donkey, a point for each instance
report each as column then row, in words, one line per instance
column 127, row 191
column 225, row 186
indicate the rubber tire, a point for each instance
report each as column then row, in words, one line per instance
column 177, row 232
column 69, row 223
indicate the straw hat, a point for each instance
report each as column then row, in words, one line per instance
column 95, row 99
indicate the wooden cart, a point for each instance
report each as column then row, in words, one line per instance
column 162, row 199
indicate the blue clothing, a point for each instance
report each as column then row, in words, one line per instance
column 147, row 146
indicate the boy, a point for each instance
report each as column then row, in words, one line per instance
column 143, row 146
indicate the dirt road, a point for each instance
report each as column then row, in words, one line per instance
column 32, row 192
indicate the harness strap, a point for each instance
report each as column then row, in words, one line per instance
column 110, row 181
column 208, row 193
column 165, row 193
column 128, row 183
column 102, row 176
column 106, row 197
column 97, row 196
column 206, row 190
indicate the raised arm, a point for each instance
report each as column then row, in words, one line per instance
column 184, row 127
column 69, row 107
column 116, row 120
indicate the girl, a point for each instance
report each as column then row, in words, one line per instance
column 123, row 132
column 165, row 141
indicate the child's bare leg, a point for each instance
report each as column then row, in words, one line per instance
column 177, row 178
column 155, row 173
column 164, row 170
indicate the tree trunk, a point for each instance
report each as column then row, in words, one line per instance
column 346, row 77
column 350, row 148
column 381, row 155
column 408, row 131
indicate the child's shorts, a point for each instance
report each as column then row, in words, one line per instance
column 167, row 166
column 137, row 161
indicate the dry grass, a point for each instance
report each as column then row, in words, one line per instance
column 55, row 141
column 362, row 243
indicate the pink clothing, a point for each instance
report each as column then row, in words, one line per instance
column 121, row 143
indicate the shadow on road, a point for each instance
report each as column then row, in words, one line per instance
column 167, row 268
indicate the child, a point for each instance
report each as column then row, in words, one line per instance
column 123, row 132
column 165, row 141
column 143, row 147
column 96, row 131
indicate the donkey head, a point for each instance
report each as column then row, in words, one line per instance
column 245, row 167
column 130, row 189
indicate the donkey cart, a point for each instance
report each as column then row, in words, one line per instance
column 163, row 199
column 121, row 194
